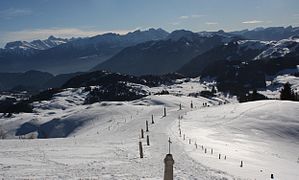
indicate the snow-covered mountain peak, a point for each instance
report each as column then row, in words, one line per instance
column 36, row 44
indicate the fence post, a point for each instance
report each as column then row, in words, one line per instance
column 146, row 124
column 241, row 165
column 147, row 140
column 153, row 119
column 142, row 133
column 164, row 112
column 140, row 149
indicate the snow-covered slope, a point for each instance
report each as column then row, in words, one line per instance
column 263, row 134
column 280, row 49
column 101, row 139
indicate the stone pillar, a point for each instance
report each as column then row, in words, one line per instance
column 168, row 171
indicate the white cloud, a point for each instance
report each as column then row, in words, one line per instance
column 211, row 23
column 193, row 16
column 31, row 34
column 12, row 12
column 252, row 22
column 184, row 17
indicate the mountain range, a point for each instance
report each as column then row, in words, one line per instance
column 79, row 54
column 164, row 56
column 225, row 56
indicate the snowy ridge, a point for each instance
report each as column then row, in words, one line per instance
column 36, row 44
column 255, row 44
column 280, row 49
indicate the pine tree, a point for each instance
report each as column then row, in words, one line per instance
column 286, row 92
column 213, row 90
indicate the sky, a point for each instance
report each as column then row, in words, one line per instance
column 38, row 19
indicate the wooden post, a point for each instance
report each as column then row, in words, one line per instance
column 180, row 131
column 225, row 157
column 272, row 176
column 142, row 133
column 191, row 105
column 146, row 124
column 211, row 151
column 201, row 147
column 219, row 156
column 180, row 106
column 164, row 112
column 189, row 141
column 147, row 140
column 153, row 119
column 205, row 150
column 195, row 145
column 140, row 149
column 241, row 165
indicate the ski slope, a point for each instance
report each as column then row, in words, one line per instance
column 100, row 141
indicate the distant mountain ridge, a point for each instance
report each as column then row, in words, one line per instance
column 269, row 34
column 153, row 51
column 241, row 51
column 79, row 54
column 35, row 45
column 164, row 56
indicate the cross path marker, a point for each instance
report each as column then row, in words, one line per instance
column 169, row 142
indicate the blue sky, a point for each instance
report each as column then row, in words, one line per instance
column 33, row 19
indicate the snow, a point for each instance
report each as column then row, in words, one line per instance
column 280, row 49
column 274, row 84
column 100, row 141
column 261, row 134
column 254, row 44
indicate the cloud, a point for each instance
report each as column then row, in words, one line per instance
column 211, row 23
column 31, row 34
column 252, row 22
column 193, row 16
column 184, row 17
column 12, row 13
